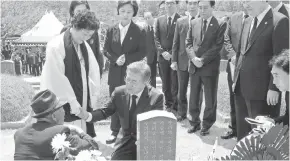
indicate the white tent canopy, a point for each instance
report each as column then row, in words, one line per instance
column 47, row 27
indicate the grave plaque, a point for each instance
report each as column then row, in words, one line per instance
column 156, row 135
column 7, row 66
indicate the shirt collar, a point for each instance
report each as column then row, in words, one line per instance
column 124, row 27
column 139, row 94
column 172, row 17
column 278, row 7
column 208, row 20
column 262, row 15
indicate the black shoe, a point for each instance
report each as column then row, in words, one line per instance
column 230, row 134
column 111, row 139
column 193, row 129
column 204, row 131
column 181, row 118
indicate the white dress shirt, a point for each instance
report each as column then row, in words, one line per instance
column 123, row 31
column 172, row 18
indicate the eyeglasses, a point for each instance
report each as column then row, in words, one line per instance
column 130, row 81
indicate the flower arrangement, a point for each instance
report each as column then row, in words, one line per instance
column 61, row 148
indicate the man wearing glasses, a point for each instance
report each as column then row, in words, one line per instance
column 164, row 33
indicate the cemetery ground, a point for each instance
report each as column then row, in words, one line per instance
column 188, row 147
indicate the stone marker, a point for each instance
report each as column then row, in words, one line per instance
column 8, row 67
column 156, row 135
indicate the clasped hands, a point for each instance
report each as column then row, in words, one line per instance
column 166, row 55
column 83, row 114
column 198, row 62
column 121, row 60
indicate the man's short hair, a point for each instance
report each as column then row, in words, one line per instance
column 148, row 13
column 85, row 20
column 281, row 61
column 140, row 67
column 212, row 3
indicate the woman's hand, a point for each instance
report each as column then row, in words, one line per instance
column 121, row 60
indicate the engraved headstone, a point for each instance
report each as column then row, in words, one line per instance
column 8, row 67
column 156, row 135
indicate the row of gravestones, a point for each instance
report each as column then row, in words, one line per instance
column 156, row 135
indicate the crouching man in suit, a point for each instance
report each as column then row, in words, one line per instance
column 33, row 142
column 127, row 101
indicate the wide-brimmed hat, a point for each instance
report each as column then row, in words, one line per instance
column 45, row 102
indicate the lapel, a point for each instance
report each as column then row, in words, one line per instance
column 116, row 37
column 126, row 105
column 240, row 24
column 264, row 23
column 210, row 29
column 129, row 34
column 245, row 34
column 172, row 26
column 143, row 101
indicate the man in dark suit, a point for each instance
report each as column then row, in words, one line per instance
column 180, row 58
column 33, row 142
column 232, row 46
column 264, row 35
column 164, row 33
column 203, row 44
column 151, row 51
column 127, row 102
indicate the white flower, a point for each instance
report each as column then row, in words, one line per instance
column 96, row 153
column 84, row 155
column 58, row 143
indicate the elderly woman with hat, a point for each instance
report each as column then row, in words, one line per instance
column 33, row 142
column 124, row 44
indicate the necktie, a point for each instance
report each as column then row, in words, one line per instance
column 246, row 16
column 192, row 18
column 204, row 28
column 168, row 26
column 132, row 109
column 253, row 29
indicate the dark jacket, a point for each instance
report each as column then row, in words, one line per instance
column 151, row 51
column 133, row 47
column 33, row 142
column 208, row 49
column 252, row 68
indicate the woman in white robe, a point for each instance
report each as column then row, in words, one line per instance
column 71, row 70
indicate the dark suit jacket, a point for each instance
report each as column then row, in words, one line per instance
column 162, row 40
column 95, row 46
column 208, row 49
column 133, row 47
column 33, row 142
column 253, row 70
column 151, row 50
column 179, row 54
column 233, row 36
column 284, row 11
column 150, row 99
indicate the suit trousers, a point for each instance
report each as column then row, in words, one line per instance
column 115, row 121
column 126, row 149
column 153, row 68
column 169, row 83
column 210, row 84
column 232, row 99
column 249, row 108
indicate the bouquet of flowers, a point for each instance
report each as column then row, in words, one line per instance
column 62, row 149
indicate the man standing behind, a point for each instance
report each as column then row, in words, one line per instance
column 233, row 46
column 164, row 33
column 264, row 35
column 180, row 58
column 204, row 41
column 151, row 51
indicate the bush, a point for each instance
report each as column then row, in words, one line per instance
column 16, row 95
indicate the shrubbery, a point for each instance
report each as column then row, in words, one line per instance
column 16, row 95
